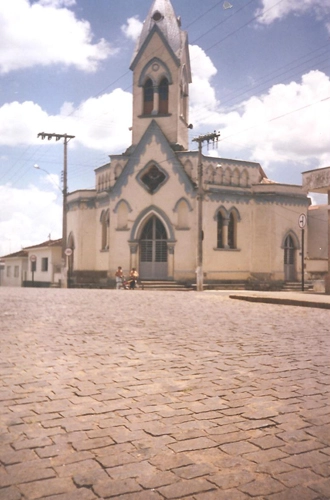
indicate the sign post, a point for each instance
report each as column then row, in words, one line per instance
column 33, row 260
column 302, row 224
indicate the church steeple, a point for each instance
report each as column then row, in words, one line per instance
column 161, row 76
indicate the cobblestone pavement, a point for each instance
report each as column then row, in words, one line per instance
column 161, row 395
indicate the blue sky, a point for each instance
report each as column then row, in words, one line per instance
column 261, row 76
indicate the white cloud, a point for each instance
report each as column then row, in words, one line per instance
column 290, row 122
column 272, row 9
column 99, row 123
column 132, row 29
column 28, row 216
column 203, row 101
column 47, row 33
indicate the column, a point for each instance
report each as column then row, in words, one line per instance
column 170, row 263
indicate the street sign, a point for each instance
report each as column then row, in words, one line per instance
column 302, row 221
column 68, row 252
column 33, row 258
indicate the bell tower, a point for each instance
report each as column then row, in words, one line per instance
column 161, row 76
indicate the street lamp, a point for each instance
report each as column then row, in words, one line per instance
column 36, row 166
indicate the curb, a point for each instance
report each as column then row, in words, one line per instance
column 285, row 302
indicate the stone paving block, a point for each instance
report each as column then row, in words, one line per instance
column 265, row 456
column 143, row 495
column 170, row 460
column 322, row 433
column 297, row 477
column 32, row 443
column 92, row 444
column 117, row 459
column 322, row 487
column 229, row 479
column 11, row 493
column 195, row 470
column 79, row 494
column 81, row 467
column 239, row 448
column 69, row 456
column 11, row 457
column 131, row 470
column 322, row 469
column 192, row 444
column 154, row 481
column 24, row 474
column 262, row 486
column 306, row 460
column 115, row 488
column 267, row 442
column 185, row 488
column 299, row 493
column 48, row 487
column 222, row 495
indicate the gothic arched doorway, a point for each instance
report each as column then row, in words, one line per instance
column 289, row 259
column 153, row 250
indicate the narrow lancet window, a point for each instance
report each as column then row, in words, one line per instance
column 148, row 97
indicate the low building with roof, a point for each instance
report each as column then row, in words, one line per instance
column 36, row 265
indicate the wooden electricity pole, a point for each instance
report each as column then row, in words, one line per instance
column 200, row 195
column 66, row 138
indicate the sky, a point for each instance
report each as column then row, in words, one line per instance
column 261, row 76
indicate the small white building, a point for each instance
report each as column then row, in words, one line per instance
column 14, row 268
column 37, row 265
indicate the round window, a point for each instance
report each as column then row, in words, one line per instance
column 157, row 16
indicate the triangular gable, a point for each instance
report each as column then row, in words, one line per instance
column 153, row 131
column 137, row 56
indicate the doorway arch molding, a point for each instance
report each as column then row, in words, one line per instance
column 293, row 236
column 144, row 216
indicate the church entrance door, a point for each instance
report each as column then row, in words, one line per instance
column 153, row 250
column 289, row 259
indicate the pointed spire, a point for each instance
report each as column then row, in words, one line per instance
column 162, row 15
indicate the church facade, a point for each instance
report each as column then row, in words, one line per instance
column 143, row 212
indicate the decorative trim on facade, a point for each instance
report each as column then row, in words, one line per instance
column 148, row 70
column 158, row 183
column 295, row 238
column 144, row 215
column 175, row 209
column 115, row 210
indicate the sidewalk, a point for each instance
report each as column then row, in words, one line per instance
column 302, row 299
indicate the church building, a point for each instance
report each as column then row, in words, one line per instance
column 143, row 212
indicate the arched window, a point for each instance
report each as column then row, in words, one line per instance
column 209, row 175
column 218, row 175
column 220, row 221
column 232, row 231
column 163, row 97
column 244, row 181
column 118, row 171
column 122, row 214
column 188, row 167
column 227, row 177
column 105, row 230
column 148, row 97
column 235, row 177
column 183, row 211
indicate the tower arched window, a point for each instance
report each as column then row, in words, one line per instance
column 232, row 228
column 163, row 96
column 148, row 97
column 220, row 223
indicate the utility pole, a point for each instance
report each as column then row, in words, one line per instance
column 213, row 137
column 66, row 138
